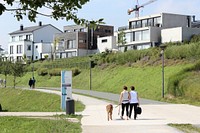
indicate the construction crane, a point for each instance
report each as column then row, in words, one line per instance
column 137, row 8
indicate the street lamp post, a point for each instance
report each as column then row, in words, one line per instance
column 90, row 72
column 163, row 74
column 33, row 59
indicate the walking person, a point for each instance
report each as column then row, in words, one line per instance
column 34, row 82
column 124, row 101
column 30, row 82
column 134, row 102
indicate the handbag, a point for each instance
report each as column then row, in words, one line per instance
column 139, row 110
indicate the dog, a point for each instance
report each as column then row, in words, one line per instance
column 109, row 109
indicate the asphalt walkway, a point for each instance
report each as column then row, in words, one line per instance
column 154, row 118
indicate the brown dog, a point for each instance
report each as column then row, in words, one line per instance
column 109, row 109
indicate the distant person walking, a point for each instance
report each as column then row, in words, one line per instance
column 134, row 102
column 124, row 101
column 34, row 82
column 30, row 83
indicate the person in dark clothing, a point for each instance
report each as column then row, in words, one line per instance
column 30, row 83
column 34, row 82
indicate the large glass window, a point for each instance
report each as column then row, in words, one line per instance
column 145, row 35
column 150, row 22
column 128, row 37
column 139, row 24
column 133, row 25
column 138, row 36
column 71, row 44
column 19, row 49
column 157, row 21
column 11, row 49
column 144, row 23
column 20, row 38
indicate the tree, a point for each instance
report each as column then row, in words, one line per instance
column 17, row 70
column 55, row 44
column 5, row 68
column 122, row 39
column 64, row 9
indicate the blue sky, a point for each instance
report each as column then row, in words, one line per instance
column 114, row 13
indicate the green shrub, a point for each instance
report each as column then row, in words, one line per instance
column 75, row 72
column 42, row 71
column 55, row 72
column 195, row 38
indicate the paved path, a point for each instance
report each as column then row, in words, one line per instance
column 154, row 118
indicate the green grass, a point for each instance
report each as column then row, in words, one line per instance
column 20, row 100
column 31, row 125
column 186, row 128
column 111, row 78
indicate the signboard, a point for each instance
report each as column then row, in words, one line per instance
column 66, row 87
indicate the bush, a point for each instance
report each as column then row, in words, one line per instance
column 55, row 72
column 42, row 71
column 75, row 72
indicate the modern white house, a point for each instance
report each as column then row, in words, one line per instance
column 32, row 42
column 152, row 30
column 106, row 43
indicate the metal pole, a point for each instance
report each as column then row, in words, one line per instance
column 90, row 74
column 163, row 85
column 33, row 60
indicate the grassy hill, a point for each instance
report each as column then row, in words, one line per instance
column 142, row 68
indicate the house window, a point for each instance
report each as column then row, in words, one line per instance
column 11, row 49
column 28, row 47
column 36, row 57
column 20, row 38
column 144, row 23
column 71, row 44
column 13, row 38
column 138, row 36
column 132, row 25
column 139, row 24
column 71, row 54
column 145, row 35
column 150, row 22
column 81, row 41
column 19, row 58
column 142, row 35
column 29, row 37
column 128, row 37
column 157, row 21
column 36, row 46
column 104, row 40
column 19, row 49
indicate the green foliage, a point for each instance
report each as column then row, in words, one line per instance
column 186, row 51
column 195, row 39
column 75, row 72
column 60, row 9
column 42, row 71
column 121, row 38
column 55, row 72
column 185, row 83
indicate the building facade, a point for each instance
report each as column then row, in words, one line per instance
column 31, row 43
column 79, row 40
column 149, row 31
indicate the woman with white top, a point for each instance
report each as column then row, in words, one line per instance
column 124, row 101
column 134, row 102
